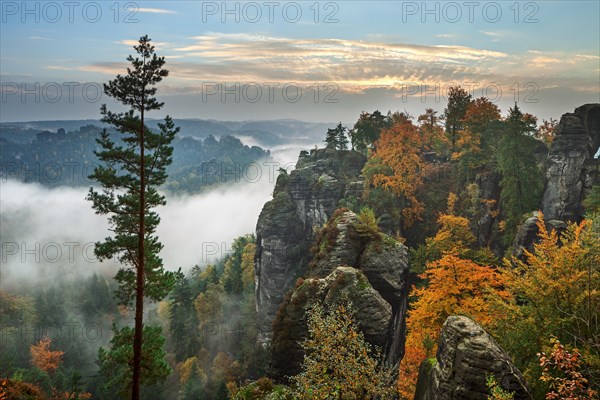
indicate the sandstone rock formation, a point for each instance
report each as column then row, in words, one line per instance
column 361, row 264
column 571, row 170
column 527, row 235
column 302, row 202
column 571, row 167
column 466, row 356
column 489, row 190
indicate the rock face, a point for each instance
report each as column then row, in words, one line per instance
column 355, row 262
column 373, row 312
column 571, row 168
column 489, row 187
column 302, row 201
column 466, row 355
column 527, row 235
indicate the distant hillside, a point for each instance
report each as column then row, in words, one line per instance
column 66, row 157
column 263, row 133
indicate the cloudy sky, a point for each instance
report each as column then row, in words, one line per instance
column 316, row 61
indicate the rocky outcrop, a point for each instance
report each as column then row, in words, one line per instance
column 571, row 170
column 302, row 202
column 353, row 261
column 571, row 167
column 466, row 356
column 370, row 309
column 527, row 235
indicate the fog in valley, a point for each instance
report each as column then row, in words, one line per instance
column 48, row 234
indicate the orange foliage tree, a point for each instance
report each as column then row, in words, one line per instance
column 14, row 389
column 455, row 286
column 458, row 282
column 545, row 131
column 43, row 358
column 480, row 112
column 396, row 165
column 58, row 395
column 49, row 361
column 225, row 369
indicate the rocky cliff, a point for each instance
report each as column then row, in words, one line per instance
column 571, row 167
column 466, row 356
column 353, row 261
column 571, row 170
column 488, row 184
column 302, row 202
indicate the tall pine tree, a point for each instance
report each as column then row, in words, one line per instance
column 131, row 171
column 521, row 180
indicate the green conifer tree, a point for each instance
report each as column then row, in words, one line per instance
column 341, row 138
column 331, row 139
column 132, row 169
column 521, row 180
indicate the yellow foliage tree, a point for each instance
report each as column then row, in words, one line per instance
column 209, row 306
column 555, row 292
column 248, row 266
column 561, row 282
column 186, row 370
column 339, row 363
column 454, row 237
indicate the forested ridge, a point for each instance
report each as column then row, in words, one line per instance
column 61, row 158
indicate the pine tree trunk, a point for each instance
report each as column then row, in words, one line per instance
column 139, row 289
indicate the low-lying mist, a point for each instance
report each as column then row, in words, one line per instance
column 48, row 234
